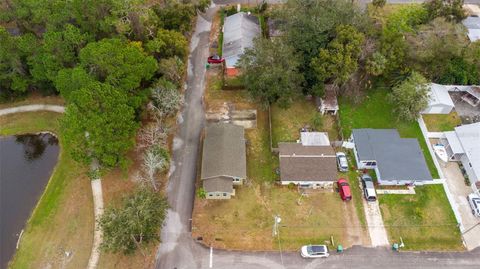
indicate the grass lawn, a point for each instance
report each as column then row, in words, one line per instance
column 442, row 122
column 63, row 219
column 425, row 220
column 377, row 112
column 286, row 123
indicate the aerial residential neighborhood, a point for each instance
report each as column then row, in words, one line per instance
column 239, row 134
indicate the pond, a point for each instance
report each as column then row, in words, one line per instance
column 26, row 163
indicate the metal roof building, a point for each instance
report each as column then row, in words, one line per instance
column 239, row 31
column 472, row 24
column 439, row 101
column 396, row 160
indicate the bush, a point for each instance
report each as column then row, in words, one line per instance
column 135, row 223
column 166, row 98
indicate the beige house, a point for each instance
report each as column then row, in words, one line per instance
column 224, row 162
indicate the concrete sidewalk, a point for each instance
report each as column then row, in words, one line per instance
column 376, row 228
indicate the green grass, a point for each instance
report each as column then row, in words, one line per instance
column 425, row 220
column 54, row 222
column 377, row 112
column 442, row 122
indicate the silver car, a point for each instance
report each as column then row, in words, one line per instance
column 342, row 162
column 314, row 251
column 368, row 188
column 474, row 201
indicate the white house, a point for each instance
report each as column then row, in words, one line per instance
column 472, row 23
column 440, row 101
column 463, row 145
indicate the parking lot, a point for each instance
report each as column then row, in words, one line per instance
column 456, row 184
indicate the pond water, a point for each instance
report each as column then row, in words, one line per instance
column 26, row 163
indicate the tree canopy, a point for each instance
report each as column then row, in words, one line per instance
column 410, row 97
column 136, row 222
column 340, row 59
column 270, row 72
column 99, row 124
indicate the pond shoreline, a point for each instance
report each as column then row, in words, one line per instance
column 28, row 154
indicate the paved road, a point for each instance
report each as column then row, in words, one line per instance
column 178, row 250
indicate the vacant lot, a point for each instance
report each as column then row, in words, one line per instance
column 286, row 123
column 63, row 218
column 442, row 122
column 377, row 112
column 424, row 220
column 246, row 221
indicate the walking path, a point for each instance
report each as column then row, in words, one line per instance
column 95, row 183
column 32, row 108
column 98, row 211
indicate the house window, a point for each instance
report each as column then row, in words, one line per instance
column 371, row 163
column 237, row 179
column 210, row 195
column 218, row 194
column 470, row 164
column 224, row 194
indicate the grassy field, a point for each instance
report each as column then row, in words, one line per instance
column 442, row 122
column 63, row 219
column 425, row 220
column 377, row 112
column 286, row 123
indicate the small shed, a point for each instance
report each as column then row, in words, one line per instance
column 314, row 139
column 439, row 101
column 329, row 102
column 472, row 96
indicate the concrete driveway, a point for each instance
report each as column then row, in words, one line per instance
column 376, row 229
column 458, row 189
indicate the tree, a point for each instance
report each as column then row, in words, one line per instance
column 459, row 71
column 70, row 80
column 410, row 97
column 434, row 45
column 166, row 98
column 118, row 63
column 167, row 43
column 376, row 64
column 155, row 160
column 379, row 3
column 392, row 40
column 340, row 59
column 310, row 24
column 174, row 15
column 172, row 69
column 59, row 50
column 135, row 223
column 14, row 75
column 99, row 123
column 451, row 10
column 270, row 72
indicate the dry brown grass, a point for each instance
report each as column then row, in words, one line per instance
column 442, row 122
column 35, row 98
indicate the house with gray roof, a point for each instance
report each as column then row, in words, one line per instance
column 308, row 165
column 224, row 163
column 396, row 160
column 239, row 31
column 472, row 23
column 463, row 145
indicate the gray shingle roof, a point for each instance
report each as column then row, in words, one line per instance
column 397, row 158
column 218, row 184
column 469, row 137
column 307, row 163
column 239, row 31
column 224, row 151
column 472, row 24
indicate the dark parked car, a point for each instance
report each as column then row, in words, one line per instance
column 344, row 190
column 215, row 59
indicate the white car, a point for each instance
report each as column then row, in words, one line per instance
column 314, row 251
column 342, row 162
column 474, row 201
